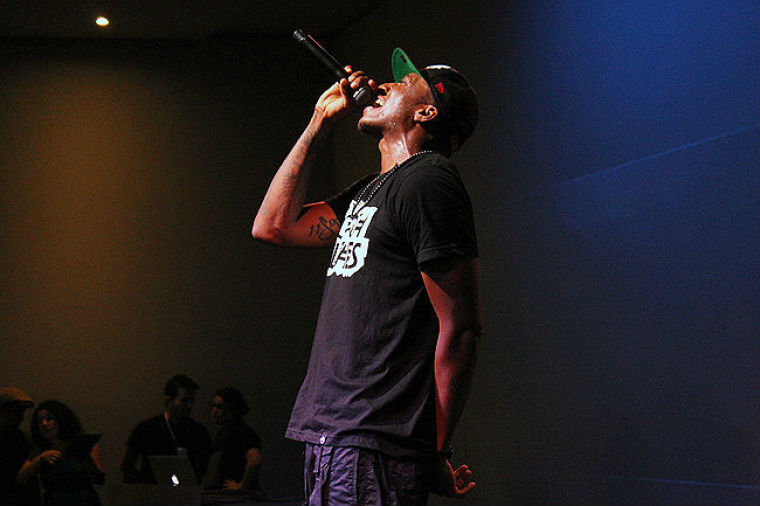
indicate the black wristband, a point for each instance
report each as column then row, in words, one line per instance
column 445, row 452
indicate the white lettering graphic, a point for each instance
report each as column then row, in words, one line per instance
column 352, row 245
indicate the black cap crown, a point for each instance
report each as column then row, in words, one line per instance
column 454, row 97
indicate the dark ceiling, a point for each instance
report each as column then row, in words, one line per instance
column 183, row 19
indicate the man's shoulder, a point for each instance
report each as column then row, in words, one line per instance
column 149, row 424
column 431, row 175
column 431, row 160
column 429, row 168
column 147, row 431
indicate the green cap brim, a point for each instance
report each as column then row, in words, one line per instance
column 402, row 66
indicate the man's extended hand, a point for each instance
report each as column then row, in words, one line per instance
column 451, row 483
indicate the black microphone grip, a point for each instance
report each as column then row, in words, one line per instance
column 361, row 96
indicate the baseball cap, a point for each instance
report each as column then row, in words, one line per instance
column 12, row 394
column 454, row 98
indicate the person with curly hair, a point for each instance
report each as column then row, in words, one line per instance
column 237, row 447
column 67, row 477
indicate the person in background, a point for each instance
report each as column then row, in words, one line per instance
column 237, row 458
column 172, row 432
column 67, row 478
column 14, row 449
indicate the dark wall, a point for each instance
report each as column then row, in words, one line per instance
column 130, row 173
column 615, row 180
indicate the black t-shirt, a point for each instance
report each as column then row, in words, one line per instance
column 233, row 442
column 152, row 437
column 370, row 379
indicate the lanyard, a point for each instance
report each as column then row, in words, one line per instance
column 171, row 431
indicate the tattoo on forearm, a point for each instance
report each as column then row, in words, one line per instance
column 325, row 230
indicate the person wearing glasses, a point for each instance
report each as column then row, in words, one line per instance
column 236, row 460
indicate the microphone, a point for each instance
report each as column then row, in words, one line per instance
column 361, row 96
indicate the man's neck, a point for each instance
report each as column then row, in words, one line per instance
column 395, row 151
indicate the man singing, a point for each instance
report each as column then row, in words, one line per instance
column 395, row 344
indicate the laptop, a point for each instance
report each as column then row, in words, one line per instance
column 173, row 471
column 175, row 486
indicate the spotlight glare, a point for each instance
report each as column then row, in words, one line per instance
column 102, row 21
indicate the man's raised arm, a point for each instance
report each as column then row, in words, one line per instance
column 282, row 217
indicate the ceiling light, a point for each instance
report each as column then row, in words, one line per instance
column 102, row 21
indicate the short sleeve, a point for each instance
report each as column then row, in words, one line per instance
column 136, row 439
column 436, row 215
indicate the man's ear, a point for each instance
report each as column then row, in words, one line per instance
column 427, row 112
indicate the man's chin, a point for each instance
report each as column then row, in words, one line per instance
column 368, row 128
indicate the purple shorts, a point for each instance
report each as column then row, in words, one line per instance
column 335, row 475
